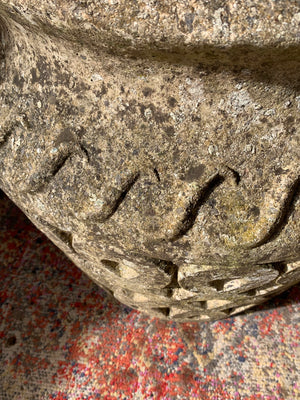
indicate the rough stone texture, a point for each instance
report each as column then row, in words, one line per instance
column 157, row 144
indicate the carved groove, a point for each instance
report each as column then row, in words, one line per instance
column 49, row 170
column 119, row 200
column 180, row 227
column 39, row 181
column 191, row 212
column 283, row 217
column 56, row 167
column 235, row 174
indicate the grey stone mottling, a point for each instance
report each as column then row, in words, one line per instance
column 157, row 144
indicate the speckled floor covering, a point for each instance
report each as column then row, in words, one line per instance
column 63, row 338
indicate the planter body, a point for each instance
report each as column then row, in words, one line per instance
column 157, row 144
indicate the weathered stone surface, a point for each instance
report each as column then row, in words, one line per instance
column 157, row 144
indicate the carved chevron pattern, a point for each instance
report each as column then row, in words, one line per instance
column 175, row 225
column 197, row 195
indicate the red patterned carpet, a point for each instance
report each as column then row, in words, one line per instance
column 63, row 338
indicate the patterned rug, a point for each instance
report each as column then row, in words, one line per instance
column 64, row 338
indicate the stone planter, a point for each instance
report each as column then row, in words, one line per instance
column 157, row 144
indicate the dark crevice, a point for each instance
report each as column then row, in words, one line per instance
column 217, row 284
column 122, row 196
column 113, row 266
column 172, row 270
column 64, row 236
column 84, row 150
column 203, row 305
column 157, row 174
column 229, row 311
column 165, row 311
column 168, row 291
column 199, row 304
column 250, row 293
column 6, row 135
column 174, row 282
column 280, row 267
column 59, row 164
column 110, row 263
